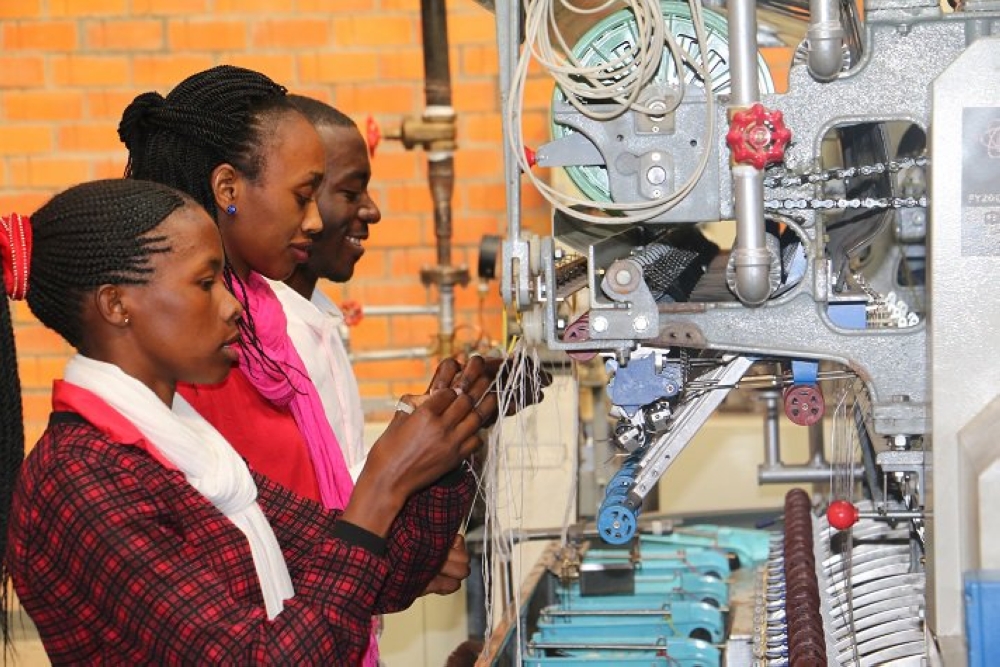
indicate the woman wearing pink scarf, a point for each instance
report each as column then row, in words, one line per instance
column 229, row 138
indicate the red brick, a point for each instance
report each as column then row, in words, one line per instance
column 109, row 167
column 43, row 105
column 403, row 63
column 381, row 30
column 189, row 35
column 79, row 70
column 166, row 71
column 326, row 67
column 109, row 104
column 408, row 198
column 14, row 9
column 476, row 96
column 25, row 203
column 330, row 6
column 21, row 71
column 107, row 35
column 40, row 36
column 37, row 339
column 388, row 165
column 291, row 33
column 470, row 29
column 25, row 139
column 36, row 408
column 88, row 8
column 480, row 127
column 379, row 99
column 89, row 138
column 245, row 7
column 44, row 172
column 169, row 7
column 478, row 60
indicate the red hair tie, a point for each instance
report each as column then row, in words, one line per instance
column 15, row 253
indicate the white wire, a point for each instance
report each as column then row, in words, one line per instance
column 645, row 59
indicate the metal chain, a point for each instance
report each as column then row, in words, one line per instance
column 785, row 180
column 866, row 202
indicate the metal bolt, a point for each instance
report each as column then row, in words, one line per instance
column 640, row 323
column 623, row 276
column 600, row 324
column 656, row 175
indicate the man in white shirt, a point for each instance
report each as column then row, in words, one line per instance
column 314, row 322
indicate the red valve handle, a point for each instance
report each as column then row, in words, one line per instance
column 842, row 514
column 353, row 312
column 373, row 135
column 758, row 137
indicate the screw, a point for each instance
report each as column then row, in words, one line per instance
column 640, row 323
column 600, row 324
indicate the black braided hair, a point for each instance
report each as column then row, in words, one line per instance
column 319, row 113
column 90, row 235
column 94, row 234
column 223, row 115
column 11, row 451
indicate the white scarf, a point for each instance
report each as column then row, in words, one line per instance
column 207, row 460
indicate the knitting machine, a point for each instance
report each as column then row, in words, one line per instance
column 850, row 277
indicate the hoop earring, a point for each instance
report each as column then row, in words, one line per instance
column 231, row 209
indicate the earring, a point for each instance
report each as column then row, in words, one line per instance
column 231, row 209
column 127, row 320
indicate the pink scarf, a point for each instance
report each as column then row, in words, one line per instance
column 299, row 394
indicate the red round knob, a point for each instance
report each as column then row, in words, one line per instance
column 373, row 135
column 841, row 514
column 804, row 404
column 530, row 157
column 758, row 137
column 353, row 312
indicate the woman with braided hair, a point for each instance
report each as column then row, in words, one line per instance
column 137, row 534
column 233, row 140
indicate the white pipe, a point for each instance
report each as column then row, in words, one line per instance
column 826, row 40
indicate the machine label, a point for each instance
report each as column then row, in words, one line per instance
column 981, row 182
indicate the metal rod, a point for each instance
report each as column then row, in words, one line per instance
column 386, row 311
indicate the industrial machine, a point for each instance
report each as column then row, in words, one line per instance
column 853, row 286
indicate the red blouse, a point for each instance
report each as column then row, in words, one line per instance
column 264, row 434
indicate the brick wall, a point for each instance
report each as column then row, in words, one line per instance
column 69, row 67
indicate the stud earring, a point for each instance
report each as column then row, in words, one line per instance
column 231, row 209
column 127, row 320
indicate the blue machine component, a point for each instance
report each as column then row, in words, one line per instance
column 751, row 546
column 675, row 653
column 629, row 619
column 616, row 521
column 665, row 587
column 641, row 383
column 982, row 616
column 805, row 372
column 668, row 558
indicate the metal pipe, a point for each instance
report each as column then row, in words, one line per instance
column 743, row 52
column 825, row 39
column 751, row 259
column 387, row 311
column 772, row 442
column 389, row 355
column 440, row 155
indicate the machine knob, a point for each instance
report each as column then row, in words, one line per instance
column 804, row 404
column 842, row 514
column 758, row 137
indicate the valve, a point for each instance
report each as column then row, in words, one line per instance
column 373, row 134
column 757, row 136
column 804, row 404
column 842, row 514
column 353, row 312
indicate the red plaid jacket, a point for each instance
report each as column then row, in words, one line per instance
column 118, row 560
